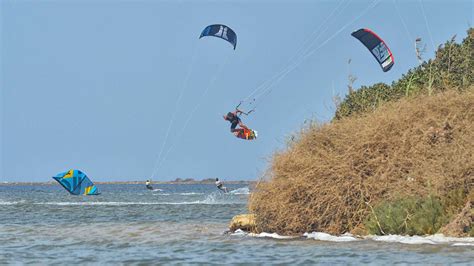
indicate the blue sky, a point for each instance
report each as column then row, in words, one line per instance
column 93, row 85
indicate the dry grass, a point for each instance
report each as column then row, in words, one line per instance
column 331, row 176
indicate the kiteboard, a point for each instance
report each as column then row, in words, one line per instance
column 246, row 133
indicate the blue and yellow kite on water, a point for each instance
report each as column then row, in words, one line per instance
column 76, row 183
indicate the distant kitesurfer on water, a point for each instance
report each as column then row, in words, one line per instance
column 234, row 119
column 148, row 185
column 220, row 185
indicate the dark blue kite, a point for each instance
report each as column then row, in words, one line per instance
column 76, row 183
column 376, row 46
column 220, row 31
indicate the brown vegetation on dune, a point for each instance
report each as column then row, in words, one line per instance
column 462, row 224
column 331, row 177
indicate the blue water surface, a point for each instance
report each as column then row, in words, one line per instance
column 175, row 223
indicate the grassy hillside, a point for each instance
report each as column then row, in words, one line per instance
column 397, row 159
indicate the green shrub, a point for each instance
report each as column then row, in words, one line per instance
column 366, row 99
column 407, row 216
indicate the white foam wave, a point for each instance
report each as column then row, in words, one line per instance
column 191, row 193
column 327, row 237
column 211, row 199
column 240, row 191
column 463, row 244
column 314, row 235
column 411, row 240
column 273, row 235
column 239, row 232
column 402, row 239
column 11, row 202
column 431, row 239
column 440, row 238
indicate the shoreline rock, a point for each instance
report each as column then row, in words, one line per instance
column 245, row 222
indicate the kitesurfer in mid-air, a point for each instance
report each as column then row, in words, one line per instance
column 220, row 185
column 234, row 119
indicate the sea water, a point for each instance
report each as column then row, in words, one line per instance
column 128, row 224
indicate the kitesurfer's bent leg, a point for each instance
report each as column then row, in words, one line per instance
column 233, row 128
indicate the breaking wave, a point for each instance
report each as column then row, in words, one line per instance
column 436, row 239
column 431, row 239
column 327, row 237
column 240, row 191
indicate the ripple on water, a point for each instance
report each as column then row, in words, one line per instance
column 127, row 224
